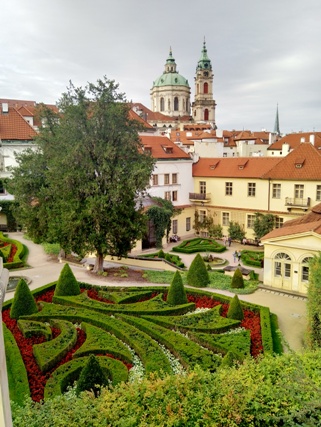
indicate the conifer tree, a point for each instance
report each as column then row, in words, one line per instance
column 91, row 377
column 314, row 303
column 237, row 280
column 176, row 293
column 197, row 275
column 23, row 301
column 67, row 285
column 235, row 310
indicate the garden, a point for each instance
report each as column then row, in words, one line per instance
column 51, row 333
column 199, row 244
column 12, row 252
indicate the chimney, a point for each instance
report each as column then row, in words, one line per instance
column 312, row 138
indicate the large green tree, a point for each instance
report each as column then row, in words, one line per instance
column 82, row 185
column 263, row 224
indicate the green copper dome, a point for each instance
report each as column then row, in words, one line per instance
column 204, row 63
column 170, row 76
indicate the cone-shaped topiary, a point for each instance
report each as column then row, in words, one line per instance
column 67, row 284
column 235, row 310
column 197, row 275
column 91, row 377
column 229, row 359
column 237, row 280
column 161, row 254
column 23, row 301
column 176, row 293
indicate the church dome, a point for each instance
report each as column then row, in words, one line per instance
column 170, row 76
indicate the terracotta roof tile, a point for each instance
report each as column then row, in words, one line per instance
column 163, row 148
column 303, row 163
column 294, row 229
column 295, row 139
column 14, row 127
column 234, row 167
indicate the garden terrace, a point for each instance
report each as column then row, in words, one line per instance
column 99, row 321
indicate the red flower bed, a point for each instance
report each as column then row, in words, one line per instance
column 12, row 251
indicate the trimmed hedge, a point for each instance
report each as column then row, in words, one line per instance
column 66, row 374
column 30, row 328
column 235, row 310
column 23, row 301
column 20, row 255
column 99, row 341
column 124, row 297
column 199, row 244
column 189, row 353
column 176, row 292
column 197, row 274
column 49, row 353
column 252, row 258
column 92, row 377
column 17, row 374
column 67, row 284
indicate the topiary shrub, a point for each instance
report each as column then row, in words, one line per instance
column 237, row 280
column 176, row 293
column 91, row 377
column 235, row 310
column 67, row 284
column 23, row 301
column 197, row 274
column 161, row 254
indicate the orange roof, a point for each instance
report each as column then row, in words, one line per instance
column 305, row 223
column 163, row 148
column 14, row 127
column 234, row 167
column 295, row 139
column 135, row 116
column 303, row 163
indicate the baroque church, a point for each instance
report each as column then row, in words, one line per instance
column 171, row 105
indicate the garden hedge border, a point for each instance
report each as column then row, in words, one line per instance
column 22, row 251
column 195, row 246
column 31, row 328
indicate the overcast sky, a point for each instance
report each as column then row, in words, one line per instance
column 263, row 53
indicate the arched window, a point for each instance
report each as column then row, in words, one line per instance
column 205, row 87
column 305, row 269
column 282, row 267
column 162, row 104
column 183, row 104
column 175, row 103
column 206, row 114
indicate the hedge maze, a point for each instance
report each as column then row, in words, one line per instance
column 120, row 323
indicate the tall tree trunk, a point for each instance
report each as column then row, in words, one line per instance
column 99, row 263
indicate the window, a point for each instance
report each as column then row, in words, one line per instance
column 174, row 226
column 206, row 114
column 2, row 189
column 155, row 179
column 175, row 103
column 174, row 196
column 276, row 191
column 174, row 178
column 278, row 222
column 318, row 195
column 201, row 215
column 251, row 187
column 167, row 195
column 162, row 104
column 226, row 219
column 203, row 187
column 166, row 178
column 298, row 191
column 282, row 268
column 188, row 224
column 205, row 87
column 305, row 269
column 250, row 221
column 228, row 188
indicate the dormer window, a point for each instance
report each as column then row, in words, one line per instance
column 299, row 163
column 148, row 149
column 168, row 149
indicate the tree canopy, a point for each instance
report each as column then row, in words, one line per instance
column 82, row 185
column 263, row 224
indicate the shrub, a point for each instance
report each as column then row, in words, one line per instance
column 235, row 310
column 237, row 280
column 197, row 275
column 67, row 284
column 23, row 301
column 161, row 254
column 91, row 377
column 176, row 293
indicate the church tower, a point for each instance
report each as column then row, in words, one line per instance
column 170, row 94
column 203, row 108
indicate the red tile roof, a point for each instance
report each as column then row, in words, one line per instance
column 14, row 127
column 135, row 116
column 234, row 167
column 303, row 163
column 295, row 139
column 163, row 148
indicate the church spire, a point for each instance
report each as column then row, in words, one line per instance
column 204, row 62
column 276, row 123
